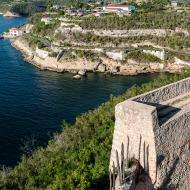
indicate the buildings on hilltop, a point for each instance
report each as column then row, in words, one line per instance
column 118, row 8
column 15, row 32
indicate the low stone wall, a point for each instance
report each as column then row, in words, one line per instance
column 165, row 93
column 163, row 148
column 160, row 54
column 135, row 32
column 118, row 56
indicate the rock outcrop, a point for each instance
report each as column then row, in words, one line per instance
column 11, row 14
column 42, row 59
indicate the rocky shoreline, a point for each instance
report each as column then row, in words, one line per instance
column 37, row 58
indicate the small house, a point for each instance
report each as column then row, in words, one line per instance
column 118, row 7
column 14, row 32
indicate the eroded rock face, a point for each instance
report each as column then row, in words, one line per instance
column 41, row 59
column 115, row 70
column 96, row 64
column 82, row 72
column 102, row 68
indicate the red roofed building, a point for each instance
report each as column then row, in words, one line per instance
column 15, row 32
column 118, row 7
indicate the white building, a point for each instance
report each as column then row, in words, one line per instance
column 174, row 3
column 47, row 20
column 15, row 32
column 118, row 7
column 56, row 7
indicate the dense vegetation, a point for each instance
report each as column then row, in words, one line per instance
column 176, row 41
column 29, row 7
column 91, row 39
column 162, row 19
column 36, row 18
column 42, row 29
column 139, row 56
column 77, row 158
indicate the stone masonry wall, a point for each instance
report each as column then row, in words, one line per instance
column 160, row 54
column 164, row 149
column 131, row 117
column 172, row 141
column 165, row 93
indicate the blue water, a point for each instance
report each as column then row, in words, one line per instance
column 34, row 102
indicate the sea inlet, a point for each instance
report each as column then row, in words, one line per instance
column 34, row 103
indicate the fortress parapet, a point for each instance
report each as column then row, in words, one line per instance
column 155, row 129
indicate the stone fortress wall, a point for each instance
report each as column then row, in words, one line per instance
column 155, row 129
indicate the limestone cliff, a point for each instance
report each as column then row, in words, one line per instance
column 43, row 60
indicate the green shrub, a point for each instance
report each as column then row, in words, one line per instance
column 143, row 20
column 53, row 54
column 41, row 29
column 139, row 56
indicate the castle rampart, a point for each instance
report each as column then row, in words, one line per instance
column 155, row 129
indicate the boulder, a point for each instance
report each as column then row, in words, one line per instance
column 73, row 71
column 115, row 70
column 154, row 66
column 82, row 72
column 77, row 77
column 31, row 56
column 102, row 68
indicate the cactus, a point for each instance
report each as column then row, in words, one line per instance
column 144, row 155
column 110, row 178
column 127, row 175
column 127, row 152
column 140, row 148
column 118, row 167
column 113, row 176
column 122, row 162
column 147, row 162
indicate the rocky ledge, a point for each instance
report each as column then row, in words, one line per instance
column 80, row 66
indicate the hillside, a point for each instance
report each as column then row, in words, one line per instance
column 29, row 7
column 153, row 39
column 145, row 41
column 22, row 7
column 78, row 158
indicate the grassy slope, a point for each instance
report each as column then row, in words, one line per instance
column 77, row 158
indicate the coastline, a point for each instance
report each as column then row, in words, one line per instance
column 74, row 66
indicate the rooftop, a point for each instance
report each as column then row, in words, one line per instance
column 15, row 29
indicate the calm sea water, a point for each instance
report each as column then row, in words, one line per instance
column 34, row 102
